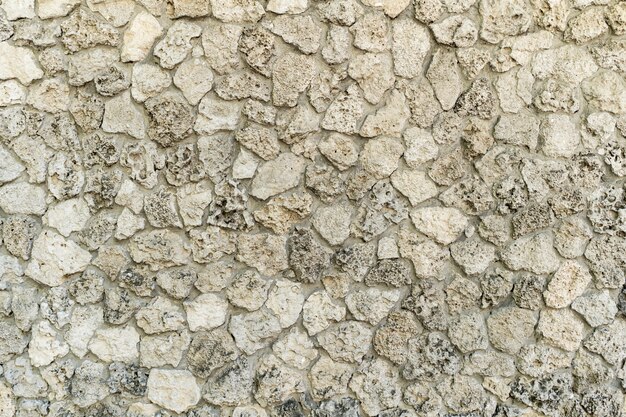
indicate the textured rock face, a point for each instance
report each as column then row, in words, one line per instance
column 321, row 208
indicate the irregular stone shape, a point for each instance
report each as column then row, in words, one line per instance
column 371, row 305
column 119, row 344
column 560, row 136
column 409, row 47
column 205, row 312
column 510, row 327
column 561, row 328
column 319, row 311
column 176, row 44
column 503, row 18
column 340, row 150
column 388, row 120
column 287, row 6
column 277, row 176
column 68, row 216
column 121, row 116
column 445, row 78
column 47, row 9
column 173, row 389
column 444, row 225
column 347, row 341
column 83, row 324
column 533, row 253
column 374, row 74
column 606, row 91
column 237, row 11
column 333, row 223
column 54, row 258
column 158, row 249
column 20, row 63
column 215, row 115
column 254, row 331
column 567, row 283
column 163, row 349
column 301, row 31
column 376, row 385
column 138, row 39
column 380, row 156
column 597, row 308
column 344, row 112
column 608, row 342
column 194, row 78
column 285, row 300
column 46, row 344
column 413, row 184
column 286, row 86
column 161, row 315
column 22, row 198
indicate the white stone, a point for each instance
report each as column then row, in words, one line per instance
column 568, row 282
column 372, row 304
column 121, row 116
column 139, row 37
column 173, row 389
column 420, row 147
column 285, row 299
column 215, row 115
column 12, row 92
column 193, row 199
column 392, row 8
column 116, row 344
column 128, row 224
column 319, row 311
column 68, row 216
column 128, row 196
column 7, row 401
column 18, row 9
column 206, row 312
column 47, row 9
column 237, row 11
column 443, row 224
column 245, row 164
column 54, row 258
column 22, row 198
column 18, row 62
column 380, row 156
column 415, row 185
column 277, row 176
column 46, row 344
column 333, row 222
column 560, row 135
column 10, row 167
column 194, row 78
column 83, row 324
column 296, row 349
column 287, row 6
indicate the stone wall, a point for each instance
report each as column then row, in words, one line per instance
column 321, row 208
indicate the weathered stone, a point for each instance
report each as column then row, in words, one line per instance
column 173, row 389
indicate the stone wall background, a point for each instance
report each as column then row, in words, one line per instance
column 318, row 208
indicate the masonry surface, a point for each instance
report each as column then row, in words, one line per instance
column 320, row 208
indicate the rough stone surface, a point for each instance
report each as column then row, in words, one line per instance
column 324, row 208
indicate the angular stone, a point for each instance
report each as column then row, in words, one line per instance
column 568, row 282
column 276, row 176
column 138, row 39
column 173, row 389
column 54, row 258
column 18, row 62
column 116, row 344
